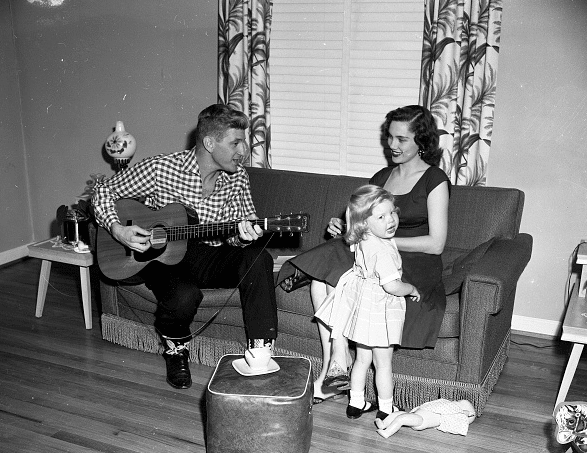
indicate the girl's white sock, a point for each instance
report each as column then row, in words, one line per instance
column 386, row 405
column 357, row 399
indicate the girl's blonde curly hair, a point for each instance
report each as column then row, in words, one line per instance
column 359, row 209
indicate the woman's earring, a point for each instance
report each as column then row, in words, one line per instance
column 420, row 152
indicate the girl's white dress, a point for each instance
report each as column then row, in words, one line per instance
column 359, row 308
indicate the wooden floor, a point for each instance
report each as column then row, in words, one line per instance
column 64, row 389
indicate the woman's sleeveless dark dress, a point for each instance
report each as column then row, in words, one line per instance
column 328, row 261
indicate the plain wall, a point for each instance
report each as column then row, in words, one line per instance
column 15, row 215
column 539, row 144
column 83, row 65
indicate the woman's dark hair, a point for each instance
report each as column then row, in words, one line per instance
column 217, row 119
column 422, row 125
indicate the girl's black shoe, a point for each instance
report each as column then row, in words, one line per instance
column 354, row 412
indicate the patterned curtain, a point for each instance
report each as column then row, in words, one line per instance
column 459, row 69
column 243, row 71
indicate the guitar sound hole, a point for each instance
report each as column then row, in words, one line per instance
column 158, row 237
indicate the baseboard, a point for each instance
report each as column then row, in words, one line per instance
column 13, row 254
column 545, row 327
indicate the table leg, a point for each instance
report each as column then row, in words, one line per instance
column 43, row 283
column 569, row 372
column 583, row 281
column 84, row 273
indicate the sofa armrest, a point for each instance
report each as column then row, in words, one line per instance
column 108, row 298
column 502, row 265
column 487, row 304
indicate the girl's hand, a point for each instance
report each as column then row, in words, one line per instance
column 335, row 226
column 415, row 294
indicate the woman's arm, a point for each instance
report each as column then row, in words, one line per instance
column 435, row 240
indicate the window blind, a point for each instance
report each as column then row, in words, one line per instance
column 337, row 67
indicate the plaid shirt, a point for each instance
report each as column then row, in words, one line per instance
column 175, row 178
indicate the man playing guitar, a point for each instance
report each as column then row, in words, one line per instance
column 211, row 183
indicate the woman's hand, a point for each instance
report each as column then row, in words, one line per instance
column 415, row 294
column 335, row 226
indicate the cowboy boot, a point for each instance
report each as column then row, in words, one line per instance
column 260, row 343
column 176, row 357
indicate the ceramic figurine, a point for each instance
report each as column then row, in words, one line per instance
column 121, row 146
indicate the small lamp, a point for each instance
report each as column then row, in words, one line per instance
column 121, row 146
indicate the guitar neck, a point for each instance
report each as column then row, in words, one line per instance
column 178, row 233
column 168, row 227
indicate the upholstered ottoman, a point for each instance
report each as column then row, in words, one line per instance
column 266, row 413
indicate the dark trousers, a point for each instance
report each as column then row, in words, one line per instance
column 177, row 287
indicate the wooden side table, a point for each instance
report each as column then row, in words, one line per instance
column 575, row 325
column 55, row 250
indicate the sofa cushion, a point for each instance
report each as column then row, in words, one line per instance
column 340, row 190
column 298, row 301
column 476, row 214
column 455, row 274
column 440, row 362
column 277, row 192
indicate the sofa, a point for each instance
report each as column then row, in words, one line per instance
column 484, row 257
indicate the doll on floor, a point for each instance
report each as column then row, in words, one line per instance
column 448, row 416
column 571, row 421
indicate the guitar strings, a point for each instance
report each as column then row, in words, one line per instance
column 198, row 331
column 222, row 227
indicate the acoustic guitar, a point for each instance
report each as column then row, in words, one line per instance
column 170, row 232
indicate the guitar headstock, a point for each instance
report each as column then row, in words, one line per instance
column 289, row 223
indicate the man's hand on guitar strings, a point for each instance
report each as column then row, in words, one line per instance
column 133, row 236
column 249, row 232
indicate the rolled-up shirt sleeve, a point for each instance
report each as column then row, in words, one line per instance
column 103, row 203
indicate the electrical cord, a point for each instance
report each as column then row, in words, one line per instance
column 189, row 337
column 525, row 343
column 569, row 287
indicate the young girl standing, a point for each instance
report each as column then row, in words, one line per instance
column 368, row 305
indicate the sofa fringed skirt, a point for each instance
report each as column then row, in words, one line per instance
column 260, row 414
column 412, row 391
column 135, row 335
column 203, row 349
column 409, row 391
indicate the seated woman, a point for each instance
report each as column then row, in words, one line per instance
column 421, row 191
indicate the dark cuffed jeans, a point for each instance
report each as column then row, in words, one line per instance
column 177, row 287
